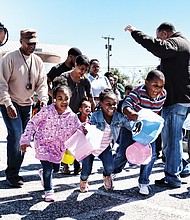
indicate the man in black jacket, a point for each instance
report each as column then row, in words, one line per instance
column 174, row 51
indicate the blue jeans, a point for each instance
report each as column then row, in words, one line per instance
column 107, row 160
column 15, row 128
column 145, row 170
column 174, row 117
column 125, row 140
column 47, row 174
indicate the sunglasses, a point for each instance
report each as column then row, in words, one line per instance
column 29, row 44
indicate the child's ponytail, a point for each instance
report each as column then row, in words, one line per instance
column 105, row 94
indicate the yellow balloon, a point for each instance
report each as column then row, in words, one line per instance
column 67, row 158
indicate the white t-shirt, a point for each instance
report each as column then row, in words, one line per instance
column 98, row 84
column 106, row 141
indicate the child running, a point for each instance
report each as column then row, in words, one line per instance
column 150, row 95
column 108, row 120
column 51, row 127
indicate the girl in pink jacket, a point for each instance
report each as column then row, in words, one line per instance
column 51, row 127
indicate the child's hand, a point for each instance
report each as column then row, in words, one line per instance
column 24, row 146
column 130, row 113
column 84, row 130
column 133, row 116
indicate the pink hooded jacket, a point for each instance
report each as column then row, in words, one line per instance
column 50, row 131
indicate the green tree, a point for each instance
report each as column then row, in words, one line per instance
column 122, row 78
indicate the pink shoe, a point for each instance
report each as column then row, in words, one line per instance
column 84, row 187
column 49, row 196
column 41, row 176
column 108, row 182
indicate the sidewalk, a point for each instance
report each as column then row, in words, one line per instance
column 123, row 203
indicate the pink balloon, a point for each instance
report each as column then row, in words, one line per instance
column 137, row 153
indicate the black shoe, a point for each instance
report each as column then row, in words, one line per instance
column 163, row 183
column 116, row 171
column 15, row 182
column 163, row 159
column 21, row 178
column 183, row 175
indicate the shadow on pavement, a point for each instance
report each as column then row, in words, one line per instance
column 95, row 206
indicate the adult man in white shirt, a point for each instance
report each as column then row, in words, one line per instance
column 22, row 74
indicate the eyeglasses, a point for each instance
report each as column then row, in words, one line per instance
column 29, row 44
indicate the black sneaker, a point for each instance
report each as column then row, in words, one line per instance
column 21, row 178
column 15, row 182
column 163, row 159
column 184, row 174
column 163, row 183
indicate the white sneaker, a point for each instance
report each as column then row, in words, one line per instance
column 41, row 176
column 143, row 189
column 49, row 196
column 114, row 176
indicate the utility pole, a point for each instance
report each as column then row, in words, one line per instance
column 108, row 46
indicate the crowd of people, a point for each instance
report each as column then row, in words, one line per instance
column 75, row 92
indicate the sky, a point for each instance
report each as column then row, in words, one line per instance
column 83, row 23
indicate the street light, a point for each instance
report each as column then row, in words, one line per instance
column 108, row 47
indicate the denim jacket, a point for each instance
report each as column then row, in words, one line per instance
column 118, row 121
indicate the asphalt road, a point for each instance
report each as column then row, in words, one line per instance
column 123, row 203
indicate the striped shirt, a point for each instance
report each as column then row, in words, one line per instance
column 138, row 99
column 106, row 141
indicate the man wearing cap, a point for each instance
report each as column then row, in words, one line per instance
column 62, row 67
column 22, row 74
